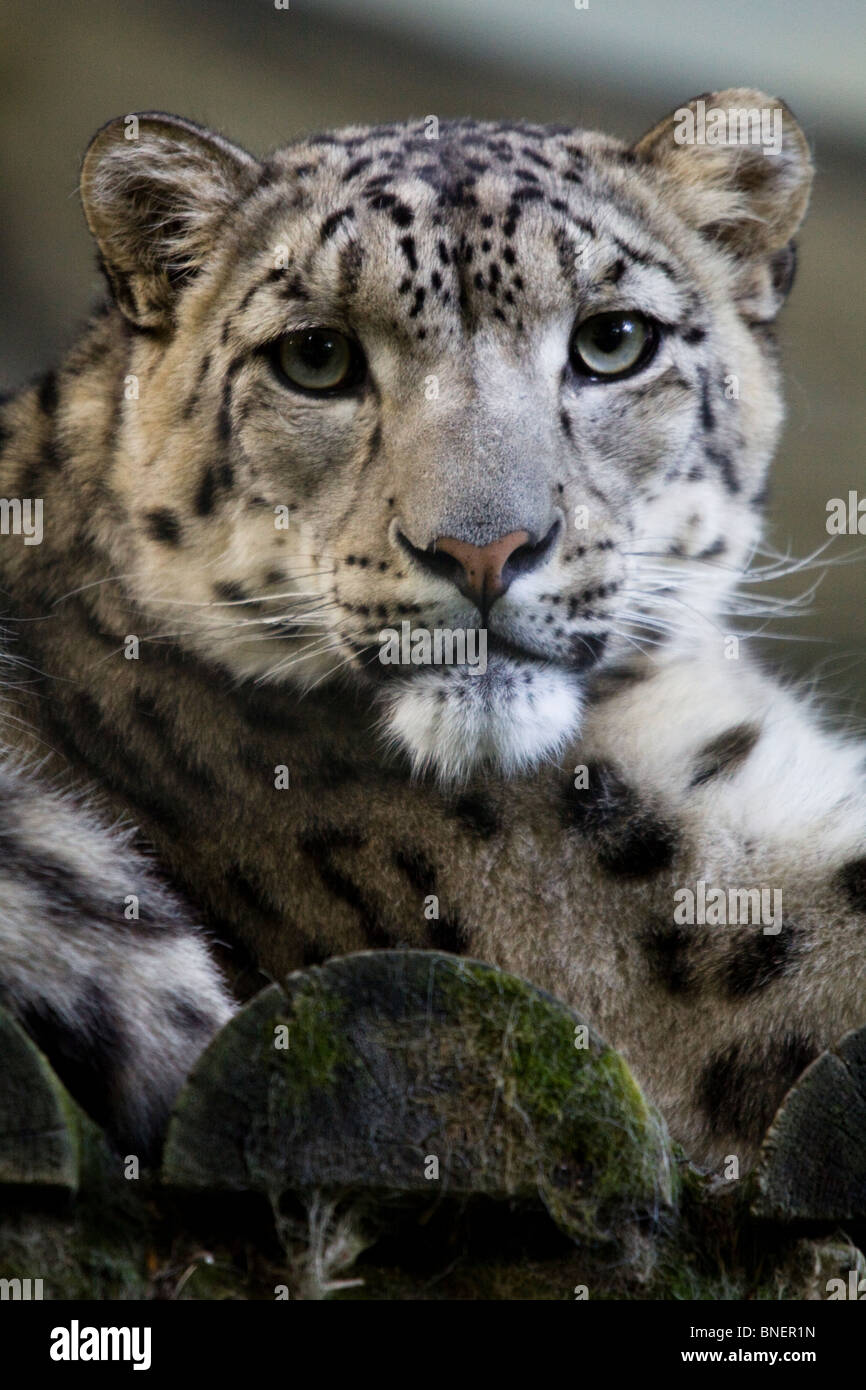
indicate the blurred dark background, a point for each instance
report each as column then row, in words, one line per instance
column 264, row 75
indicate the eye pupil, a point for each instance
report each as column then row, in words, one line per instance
column 316, row 349
column 609, row 336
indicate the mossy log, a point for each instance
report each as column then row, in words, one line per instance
column 39, row 1123
column 813, row 1161
column 400, row 1073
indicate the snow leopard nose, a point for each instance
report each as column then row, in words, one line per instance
column 483, row 572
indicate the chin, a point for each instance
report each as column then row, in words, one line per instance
column 453, row 722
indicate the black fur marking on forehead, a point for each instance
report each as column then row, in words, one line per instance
column 451, row 164
column 476, row 181
column 332, row 222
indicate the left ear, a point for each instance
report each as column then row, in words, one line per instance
column 155, row 188
column 736, row 166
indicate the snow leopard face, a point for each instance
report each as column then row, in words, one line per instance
column 472, row 378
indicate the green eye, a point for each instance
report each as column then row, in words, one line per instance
column 611, row 345
column 319, row 359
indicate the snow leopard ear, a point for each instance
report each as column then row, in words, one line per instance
column 736, row 165
column 154, row 189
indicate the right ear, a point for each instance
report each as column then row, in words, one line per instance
column 154, row 189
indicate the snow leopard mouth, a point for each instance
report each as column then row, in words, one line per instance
column 588, row 650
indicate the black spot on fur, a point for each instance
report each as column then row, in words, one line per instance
column 613, row 680
column 757, row 959
column 250, row 894
column 527, row 195
column 374, row 445
column 224, row 420
column 206, row 494
column 184, row 1014
column 443, row 933
column 629, row 840
column 478, row 815
column 644, row 258
column 230, row 591
column 332, row 222
column 68, row 897
column 356, row 167
column 724, row 753
column 669, row 952
column 85, row 734
column 204, row 367
column 418, row 870
column 294, row 288
column 587, row 648
column 163, row 525
column 708, row 419
column 407, row 246
column 320, row 847
column 722, row 461
column 853, row 881
column 741, row 1087
column 264, row 711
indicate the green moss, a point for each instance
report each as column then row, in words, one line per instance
column 572, row 1123
column 317, row 1037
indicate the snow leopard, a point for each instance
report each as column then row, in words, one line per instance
column 437, row 378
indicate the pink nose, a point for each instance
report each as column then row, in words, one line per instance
column 483, row 565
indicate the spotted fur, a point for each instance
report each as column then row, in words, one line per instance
column 305, row 798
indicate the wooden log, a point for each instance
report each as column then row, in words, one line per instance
column 813, row 1162
column 39, row 1130
column 414, row 1072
